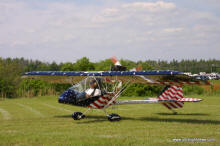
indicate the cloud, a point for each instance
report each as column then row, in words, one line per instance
column 150, row 6
column 172, row 30
column 66, row 31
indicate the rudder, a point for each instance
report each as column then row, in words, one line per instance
column 170, row 93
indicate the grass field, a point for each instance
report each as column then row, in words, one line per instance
column 216, row 84
column 42, row 121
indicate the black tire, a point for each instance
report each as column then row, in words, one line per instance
column 78, row 116
column 114, row 117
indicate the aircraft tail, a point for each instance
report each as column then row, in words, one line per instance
column 171, row 97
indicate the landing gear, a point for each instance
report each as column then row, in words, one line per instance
column 174, row 112
column 114, row 117
column 78, row 116
column 111, row 117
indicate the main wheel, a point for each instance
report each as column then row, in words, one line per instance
column 114, row 117
column 78, row 116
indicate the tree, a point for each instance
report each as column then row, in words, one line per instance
column 84, row 64
column 128, row 64
column 10, row 73
column 54, row 66
column 144, row 65
column 103, row 65
column 67, row 67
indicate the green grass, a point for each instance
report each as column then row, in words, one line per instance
column 215, row 81
column 42, row 121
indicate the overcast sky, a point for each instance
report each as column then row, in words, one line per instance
column 66, row 30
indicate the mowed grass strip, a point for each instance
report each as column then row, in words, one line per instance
column 6, row 115
column 145, row 124
column 29, row 108
column 56, row 107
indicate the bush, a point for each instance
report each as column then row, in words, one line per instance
column 142, row 90
column 35, row 87
column 189, row 90
column 147, row 90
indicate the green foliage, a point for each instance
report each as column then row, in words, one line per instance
column 11, row 69
column 144, row 65
column 37, row 87
column 142, row 90
column 10, row 73
column 103, row 65
column 54, row 66
column 128, row 63
column 192, row 90
column 67, row 67
column 217, row 92
column 84, row 64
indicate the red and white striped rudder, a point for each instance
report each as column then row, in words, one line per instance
column 170, row 93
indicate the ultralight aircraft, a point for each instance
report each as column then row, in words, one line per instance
column 112, row 84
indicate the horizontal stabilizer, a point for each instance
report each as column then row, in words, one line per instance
column 181, row 100
column 190, row 99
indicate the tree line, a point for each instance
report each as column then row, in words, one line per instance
column 12, row 85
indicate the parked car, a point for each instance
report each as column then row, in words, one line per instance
column 202, row 77
column 218, row 77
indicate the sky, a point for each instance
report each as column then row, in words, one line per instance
column 66, row 30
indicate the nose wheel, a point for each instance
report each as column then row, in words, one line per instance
column 114, row 117
column 78, row 116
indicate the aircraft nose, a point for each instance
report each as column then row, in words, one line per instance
column 61, row 99
column 67, row 97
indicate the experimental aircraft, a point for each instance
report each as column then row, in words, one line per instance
column 113, row 83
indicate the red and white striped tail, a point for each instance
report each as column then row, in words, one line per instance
column 101, row 102
column 172, row 93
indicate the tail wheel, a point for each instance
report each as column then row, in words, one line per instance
column 175, row 113
column 114, row 117
column 78, row 116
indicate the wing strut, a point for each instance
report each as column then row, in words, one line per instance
column 117, row 95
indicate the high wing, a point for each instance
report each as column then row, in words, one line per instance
column 144, row 77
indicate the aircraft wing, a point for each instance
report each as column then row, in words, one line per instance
column 145, row 77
